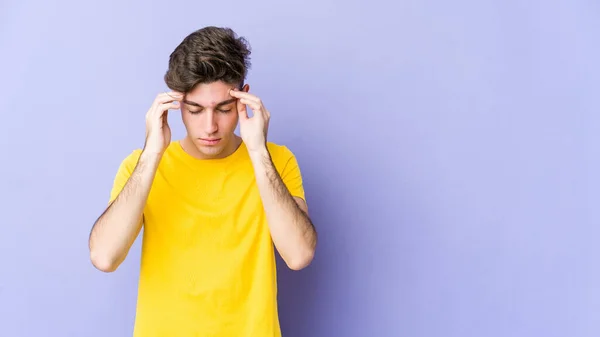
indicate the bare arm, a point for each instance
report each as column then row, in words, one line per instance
column 292, row 231
column 117, row 228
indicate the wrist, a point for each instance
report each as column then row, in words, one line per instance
column 149, row 158
column 259, row 153
column 260, row 158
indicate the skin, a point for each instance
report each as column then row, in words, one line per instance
column 210, row 113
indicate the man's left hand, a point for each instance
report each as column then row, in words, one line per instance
column 253, row 129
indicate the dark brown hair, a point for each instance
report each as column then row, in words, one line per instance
column 207, row 55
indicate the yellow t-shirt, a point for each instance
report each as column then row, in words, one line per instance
column 207, row 262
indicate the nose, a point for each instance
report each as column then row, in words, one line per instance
column 209, row 124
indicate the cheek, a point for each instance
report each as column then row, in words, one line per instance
column 190, row 122
column 185, row 117
column 228, row 122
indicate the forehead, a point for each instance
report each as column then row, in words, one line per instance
column 209, row 94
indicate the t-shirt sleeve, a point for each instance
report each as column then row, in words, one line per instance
column 291, row 175
column 123, row 173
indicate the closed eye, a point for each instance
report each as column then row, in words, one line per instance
column 199, row 111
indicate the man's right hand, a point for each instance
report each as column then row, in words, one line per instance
column 117, row 227
column 158, row 132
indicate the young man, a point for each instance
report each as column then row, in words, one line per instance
column 214, row 205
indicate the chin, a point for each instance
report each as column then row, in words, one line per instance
column 209, row 151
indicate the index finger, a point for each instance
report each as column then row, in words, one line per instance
column 244, row 95
column 174, row 95
column 239, row 94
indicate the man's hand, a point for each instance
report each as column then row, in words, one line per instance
column 291, row 228
column 253, row 130
column 158, row 132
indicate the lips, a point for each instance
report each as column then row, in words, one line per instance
column 210, row 141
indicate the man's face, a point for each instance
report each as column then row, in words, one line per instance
column 210, row 117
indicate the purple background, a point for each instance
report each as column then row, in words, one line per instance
column 449, row 149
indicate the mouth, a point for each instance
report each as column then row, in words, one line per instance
column 210, row 141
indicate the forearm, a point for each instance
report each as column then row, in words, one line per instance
column 291, row 229
column 117, row 228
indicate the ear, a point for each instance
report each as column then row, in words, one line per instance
column 246, row 87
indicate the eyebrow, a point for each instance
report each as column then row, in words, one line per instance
column 218, row 105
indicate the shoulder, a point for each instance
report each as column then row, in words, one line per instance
column 279, row 151
column 134, row 155
column 282, row 156
column 129, row 161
